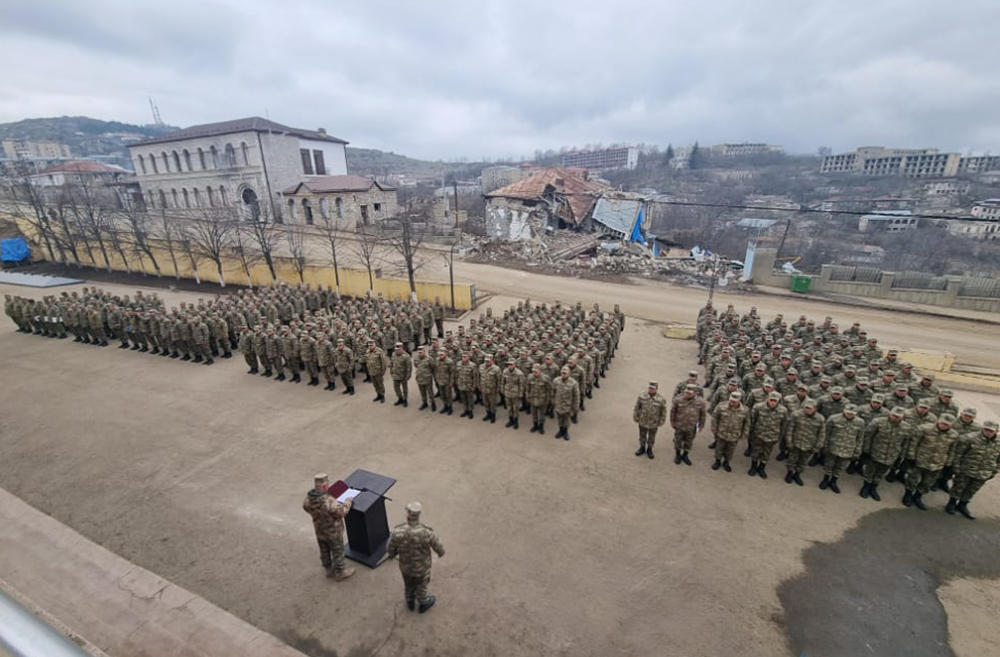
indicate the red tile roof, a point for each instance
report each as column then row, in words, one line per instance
column 83, row 166
column 580, row 193
column 330, row 184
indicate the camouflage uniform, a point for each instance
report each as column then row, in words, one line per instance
column 977, row 459
column 804, row 435
column 375, row 362
column 566, row 399
column 411, row 543
column 401, row 368
column 538, row 391
column 883, row 444
column 687, row 417
column 766, row 428
column 423, row 372
column 489, row 384
column 650, row 413
column 343, row 362
column 512, row 387
column 444, row 378
column 328, row 521
column 729, row 426
column 928, row 452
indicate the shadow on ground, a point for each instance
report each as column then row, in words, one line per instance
column 874, row 591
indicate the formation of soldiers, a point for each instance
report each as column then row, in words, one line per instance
column 537, row 359
column 830, row 398
column 141, row 322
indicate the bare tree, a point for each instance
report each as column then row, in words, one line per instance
column 366, row 247
column 260, row 227
column 27, row 202
column 137, row 221
column 90, row 216
column 328, row 225
column 295, row 236
column 170, row 233
column 247, row 252
column 412, row 231
column 211, row 236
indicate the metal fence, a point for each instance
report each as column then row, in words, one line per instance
column 915, row 280
column 980, row 286
column 850, row 274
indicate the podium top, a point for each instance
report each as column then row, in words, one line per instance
column 365, row 480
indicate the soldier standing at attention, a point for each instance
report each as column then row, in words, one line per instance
column 343, row 361
column 883, row 444
column 444, row 378
column 512, row 385
column 423, row 367
column 375, row 360
column 687, row 416
column 844, row 440
column 328, row 521
column 650, row 413
column 730, row 424
column 977, row 459
column 804, row 435
column 246, row 347
column 928, row 452
column 411, row 543
column 439, row 316
column 489, row 384
column 767, row 425
column 402, row 368
column 565, row 401
column 538, row 392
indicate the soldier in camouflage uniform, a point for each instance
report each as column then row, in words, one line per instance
column 767, row 425
column 444, row 379
column 730, row 424
column 324, row 361
column 423, row 372
column 882, row 445
column 328, row 521
column 844, row 439
column 538, row 392
column 976, row 459
column 343, row 363
column 804, row 434
column 411, row 543
column 928, row 453
column 965, row 425
column 512, row 387
column 687, row 417
column 376, row 364
column 401, row 369
column 466, row 375
column 650, row 413
column 565, row 401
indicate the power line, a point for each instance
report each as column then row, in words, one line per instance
column 855, row 213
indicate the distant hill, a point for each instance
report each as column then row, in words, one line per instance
column 368, row 161
column 84, row 136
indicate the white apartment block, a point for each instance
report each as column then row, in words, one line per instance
column 907, row 162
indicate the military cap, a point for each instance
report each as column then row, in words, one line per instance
column 791, row 370
column 320, row 478
column 850, row 408
column 836, row 389
column 564, row 370
column 786, row 354
column 902, row 386
column 809, row 403
column 802, row 386
column 488, row 356
column 654, row 384
column 775, row 395
column 339, row 340
column 399, row 344
column 511, row 361
column 862, row 381
column 946, row 392
column 990, row 424
column 969, row 411
column 768, row 381
column 760, row 366
column 825, row 378
column 923, row 402
column 928, row 376
column 691, row 387
column 850, row 368
column 947, row 417
column 894, row 351
column 878, row 397
column 905, row 366
column 414, row 509
column 898, row 410
column 692, row 373
column 735, row 396
column 733, row 382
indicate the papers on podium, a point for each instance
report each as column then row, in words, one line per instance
column 348, row 494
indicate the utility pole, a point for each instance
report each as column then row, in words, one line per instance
column 788, row 224
column 454, row 187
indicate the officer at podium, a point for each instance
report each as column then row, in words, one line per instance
column 328, row 521
column 412, row 542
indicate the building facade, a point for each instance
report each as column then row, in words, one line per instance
column 350, row 202
column 988, row 209
column 493, row 178
column 626, row 157
column 907, row 162
column 978, row 164
column 888, row 221
column 27, row 149
column 745, row 150
column 241, row 163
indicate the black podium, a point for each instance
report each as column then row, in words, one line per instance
column 367, row 523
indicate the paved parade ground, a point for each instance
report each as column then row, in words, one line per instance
column 553, row 548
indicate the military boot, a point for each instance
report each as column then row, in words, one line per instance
column 422, row 406
column 444, row 409
column 298, row 379
column 197, row 358
column 510, row 422
column 677, row 456
column 908, row 498
column 534, row 428
column 833, row 485
column 782, row 455
column 761, row 472
column 685, row 459
column 851, row 467
column 517, row 423
column 649, row 452
column 641, row 450
column 826, row 482
column 797, row 478
column 434, row 405
column 726, row 466
column 865, row 490
column 344, row 574
column 873, row 491
column 711, row 445
column 541, row 428
column 281, row 377
column 314, row 381
column 411, row 605
column 266, row 373
column 209, row 361
column 717, row 464
column 788, row 477
column 891, row 476
column 950, row 508
column 753, row 469
column 746, row 452
column 427, row 604
column 814, row 459
column 918, row 501
column 963, row 508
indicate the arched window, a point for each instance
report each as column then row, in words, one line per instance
column 201, row 159
column 173, row 194
column 291, row 209
column 324, row 207
column 246, row 153
column 142, row 165
column 152, row 161
column 177, row 161
column 214, row 156
column 187, row 199
column 307, row 211
column 251, row 205
column 230, row 156
column 163, row 199
column 197, row 198
column 211, row 197
column 166, row 162
column 150, row 200
column 339, row 204
column 187, row 160
column 223, row 198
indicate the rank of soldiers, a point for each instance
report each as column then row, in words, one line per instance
column 824, row 397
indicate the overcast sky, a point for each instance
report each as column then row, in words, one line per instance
column 475, row 78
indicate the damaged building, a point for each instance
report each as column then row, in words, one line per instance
column 558, row 198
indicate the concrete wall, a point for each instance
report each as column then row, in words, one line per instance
column 509, row 219
column 764, row 274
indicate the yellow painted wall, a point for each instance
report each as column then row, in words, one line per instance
column 353, row 282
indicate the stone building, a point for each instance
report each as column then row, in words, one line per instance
column 236, row 163
column 350, row 201
column 552, row 198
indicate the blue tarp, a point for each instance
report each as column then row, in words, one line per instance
column 14, row 249
column 637, row 235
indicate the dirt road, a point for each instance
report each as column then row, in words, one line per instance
column 554, row 548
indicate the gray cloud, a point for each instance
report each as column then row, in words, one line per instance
column 504, row 77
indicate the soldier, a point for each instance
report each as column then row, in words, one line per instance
column 687, row 417
column 401, row 368
column 538, row 392
column 730, row 424
column 965, row 426
column 343, row 362
column 767, row 425
column 566, row 399
column 307, row 352
column 328, row 521
column 259, row 347
column 944, row 403
column 844, row 439
column 512, row 387
column 977, row 459
column 246, row 348
column 928, row 453
column 883, row 443
column 679, row 389
column 375, row 361
column 324, row 361
column 444, row 378
column 489, row 385
column 411, row 543
column 423, row 370
column 805, row 433
column 650, row 413
column 439, row 316
column 290, row 353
